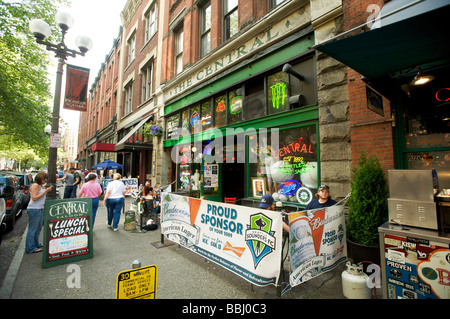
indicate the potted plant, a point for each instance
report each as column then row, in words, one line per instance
column 368, row 209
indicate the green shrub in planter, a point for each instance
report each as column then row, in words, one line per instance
column 368, row 205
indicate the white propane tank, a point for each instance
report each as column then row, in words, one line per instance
column 354, row 282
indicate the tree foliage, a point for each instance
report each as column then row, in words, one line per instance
column 25, row 97
column 368, row 201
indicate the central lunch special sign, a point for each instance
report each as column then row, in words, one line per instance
column 67, row 231
column 247, row 241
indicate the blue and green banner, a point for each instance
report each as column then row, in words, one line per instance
column 247, row 241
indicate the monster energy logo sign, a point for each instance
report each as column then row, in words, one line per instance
column 278, row 95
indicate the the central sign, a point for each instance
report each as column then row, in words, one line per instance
column 67, row 231
column 262, row 40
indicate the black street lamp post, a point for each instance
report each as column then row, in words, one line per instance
column 41, row 30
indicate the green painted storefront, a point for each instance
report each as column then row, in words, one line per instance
column 292, row 122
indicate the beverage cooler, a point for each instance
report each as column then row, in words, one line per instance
column 415, row 242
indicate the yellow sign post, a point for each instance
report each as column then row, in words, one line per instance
column 139, row 283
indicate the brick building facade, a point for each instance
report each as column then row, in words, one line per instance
column 198, row 68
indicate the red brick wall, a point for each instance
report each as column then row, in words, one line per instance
column 369, row 131
column 248, row 10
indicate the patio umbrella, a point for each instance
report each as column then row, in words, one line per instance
column 107, row 164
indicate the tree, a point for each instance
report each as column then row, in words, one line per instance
column 368, row 202
column 25, row 97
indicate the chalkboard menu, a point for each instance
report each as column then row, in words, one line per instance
column 67, row 231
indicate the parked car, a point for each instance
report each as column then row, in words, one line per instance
column 25, row 179
column 2, row 218
column 12, row 192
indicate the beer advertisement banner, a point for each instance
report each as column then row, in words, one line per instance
column 246, row 241
column 131, row 185
column 76, row 88
column 317, row 242
column 67, row 231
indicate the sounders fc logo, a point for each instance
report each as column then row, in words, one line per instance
column 260, row 237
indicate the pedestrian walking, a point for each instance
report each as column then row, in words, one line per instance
column 35, row 211
column 76, row 182
column 93, row 190
column 114, row 200
column 71, row 183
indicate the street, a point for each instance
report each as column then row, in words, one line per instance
column 10, row 244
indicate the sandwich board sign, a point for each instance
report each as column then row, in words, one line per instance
column 67, row 231
column 137, row 283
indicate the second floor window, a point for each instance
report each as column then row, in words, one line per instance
column 179, row 51
column 150, row 23
column 147, row 76
column 277, row 2
column 231, row 19
column 128, row 99
column 131, row 48
column 205, row 29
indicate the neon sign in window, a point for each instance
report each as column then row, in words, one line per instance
column 277, row 93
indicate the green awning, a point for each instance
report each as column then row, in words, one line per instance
column 407, row 41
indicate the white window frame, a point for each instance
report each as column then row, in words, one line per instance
column 147, row 81
column 179, row 42
column 131, row 48
column 205, row 28
column 150, row 22
column 128, row 105
column 228, row 13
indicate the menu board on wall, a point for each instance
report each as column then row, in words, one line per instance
column 67, row 231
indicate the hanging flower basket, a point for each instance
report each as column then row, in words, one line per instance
column 152, row 129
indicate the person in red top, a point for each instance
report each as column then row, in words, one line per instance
column 91, row 189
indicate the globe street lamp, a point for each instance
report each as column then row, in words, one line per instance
column 41, row 30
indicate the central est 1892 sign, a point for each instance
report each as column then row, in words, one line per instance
column 67, row 231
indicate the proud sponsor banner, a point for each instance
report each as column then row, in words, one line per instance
column 247, row 241
column 317, row 242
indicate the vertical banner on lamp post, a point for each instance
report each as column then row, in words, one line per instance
column 76, row 88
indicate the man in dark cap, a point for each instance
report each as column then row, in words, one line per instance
column 267, row 202
column 323, row 199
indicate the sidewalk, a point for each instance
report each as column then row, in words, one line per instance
column 182, row 274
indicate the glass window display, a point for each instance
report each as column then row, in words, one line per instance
column 289, row 169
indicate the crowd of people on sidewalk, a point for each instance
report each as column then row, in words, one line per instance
column 79, row 184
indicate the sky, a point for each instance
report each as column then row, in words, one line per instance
column 99, row 20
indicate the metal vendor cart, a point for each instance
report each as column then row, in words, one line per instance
column 415, row 262
column 415, row 243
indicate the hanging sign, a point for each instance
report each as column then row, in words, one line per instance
column 374, row 101
column 76, row 88
column 67, row 231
